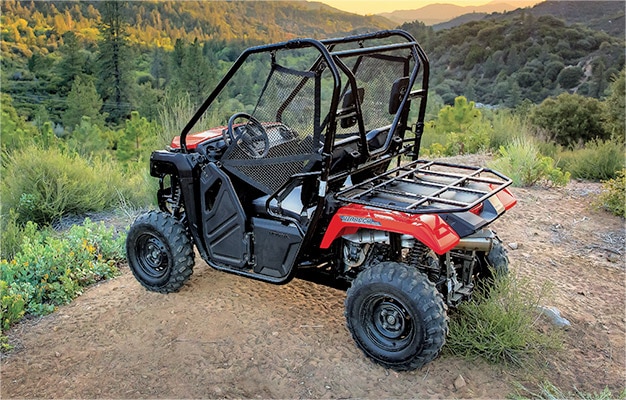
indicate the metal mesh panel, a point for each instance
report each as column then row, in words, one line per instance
column 288, row 116
column 376, row 76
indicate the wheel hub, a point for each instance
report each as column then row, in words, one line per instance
column 153, row 256
column 390, row 319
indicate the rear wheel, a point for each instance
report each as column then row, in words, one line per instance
column 159, row 252
column 496, row 263
column 396, row 316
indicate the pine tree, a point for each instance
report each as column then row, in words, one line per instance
column 115, row 81
column 159, row 68
column 138, row 134
column 197, row 73
column 83, row 100
column 71, row 64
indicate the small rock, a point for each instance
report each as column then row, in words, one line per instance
column 327, row 387
column 513, row 246
column 554, row 315
column 459, row 383
column 57, row 354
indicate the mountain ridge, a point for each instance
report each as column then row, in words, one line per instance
column 441, row 12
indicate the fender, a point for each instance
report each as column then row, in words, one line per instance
column 429, row 229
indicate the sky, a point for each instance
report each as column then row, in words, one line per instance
column 365, row 7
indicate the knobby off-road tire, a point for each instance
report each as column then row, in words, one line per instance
column 495, row 264
column 498, row 259
column 396, row 316
column 159, row 252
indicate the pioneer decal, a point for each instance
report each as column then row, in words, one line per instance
column 358, row 220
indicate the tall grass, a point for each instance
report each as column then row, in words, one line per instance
column 524, row 164
column 499, row 326
column 597, row 160
column 505, row 127
column 43, row 185
column 548, row 391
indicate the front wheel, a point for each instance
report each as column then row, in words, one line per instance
column 159, row 252
column 396, row 316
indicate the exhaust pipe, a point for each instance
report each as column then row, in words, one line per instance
column 475, row 244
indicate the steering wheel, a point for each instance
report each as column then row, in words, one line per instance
column 252, row 137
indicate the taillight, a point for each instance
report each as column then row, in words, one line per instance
column 477, row 209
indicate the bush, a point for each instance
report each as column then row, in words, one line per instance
column 613, row 195
column 598, row 160
column 570, row 77
column 457, row 130
column 43, row 185
column 12, row 234
column 614, row 118
column 459, row 143
column 499, row 326
column 52, row 269
column 570, row 119
column 523, row 163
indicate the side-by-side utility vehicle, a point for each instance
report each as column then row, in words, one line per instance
column 305, row 163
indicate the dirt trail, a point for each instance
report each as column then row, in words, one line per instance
column 223, row 336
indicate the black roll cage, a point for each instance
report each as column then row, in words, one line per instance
column 332, row 60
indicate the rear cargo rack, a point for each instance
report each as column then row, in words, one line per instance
column 422, row 187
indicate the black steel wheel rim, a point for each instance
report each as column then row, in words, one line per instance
column 388, row 323
column 152, row 256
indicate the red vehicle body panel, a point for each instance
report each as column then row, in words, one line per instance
column 430, row 229
column 196, row 138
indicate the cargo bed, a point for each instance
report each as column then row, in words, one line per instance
column 421, row 187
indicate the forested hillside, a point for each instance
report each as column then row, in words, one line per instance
column 519, row 56
column 167, row 45
column 606, row 16
column 183, row 46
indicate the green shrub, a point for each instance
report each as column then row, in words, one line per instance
column 499, row 326
column 523, row 163
column 613, row 195
column 51, row 269
column 598, row 160
column 569, row 119
column 459, row 143
column 43, row 185
column 614, row 120
column 475, row 133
